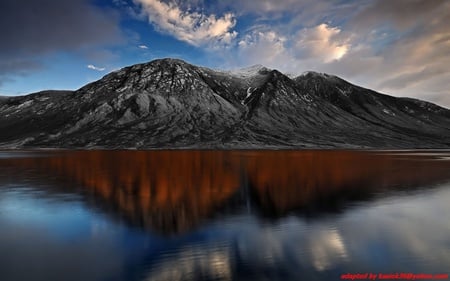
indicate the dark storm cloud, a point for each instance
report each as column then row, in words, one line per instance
column 16, row 66
column 11, row 67
column 29, row 29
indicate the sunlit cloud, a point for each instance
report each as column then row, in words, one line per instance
column 320, row 42
column 307, row 49
column 193, row 27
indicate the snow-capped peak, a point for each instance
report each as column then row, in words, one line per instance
column 317, row 74
column 248, row 71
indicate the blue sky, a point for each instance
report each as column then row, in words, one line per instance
column 397, row 47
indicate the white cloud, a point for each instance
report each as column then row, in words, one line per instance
column 276, row 7
column 305, row 50
column 144, row 47
column 267, row 47
column 93, row 67
column 321, row 42
column 189, row 26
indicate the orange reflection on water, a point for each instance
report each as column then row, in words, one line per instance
column 293, row 179
column 149, row 188
column 172, row 191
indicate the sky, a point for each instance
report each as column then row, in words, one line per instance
column 400, row 47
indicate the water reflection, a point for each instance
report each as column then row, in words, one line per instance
column 228, row 215
column 173, row 191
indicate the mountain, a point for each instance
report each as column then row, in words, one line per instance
column 168, row 103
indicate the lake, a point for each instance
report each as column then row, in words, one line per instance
column 224, row 215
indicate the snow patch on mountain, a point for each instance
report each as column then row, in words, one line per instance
column 248, row 72
column 317, row 74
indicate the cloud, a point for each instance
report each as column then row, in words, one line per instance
column 13, row 67
column 411, row 78
column 190, row 26
column 263, row 7
column 320, row 42
column 402, row 14
column 265, row 46
column 101, row 55
column 93, row 67
column 308, row 48
column 144, row 47
column 128, row 9
column 32, row 29
column 415, row 50
column 293, row 14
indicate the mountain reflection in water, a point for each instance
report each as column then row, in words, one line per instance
column 269, row 212
column 173, row 191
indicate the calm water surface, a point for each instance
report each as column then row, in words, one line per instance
column 222, row 215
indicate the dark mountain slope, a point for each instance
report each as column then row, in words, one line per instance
column 405, row 116
column 170, row 103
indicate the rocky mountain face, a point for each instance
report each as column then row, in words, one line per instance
column 169, row 103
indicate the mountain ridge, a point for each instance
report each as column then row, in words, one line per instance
column 169, row 103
